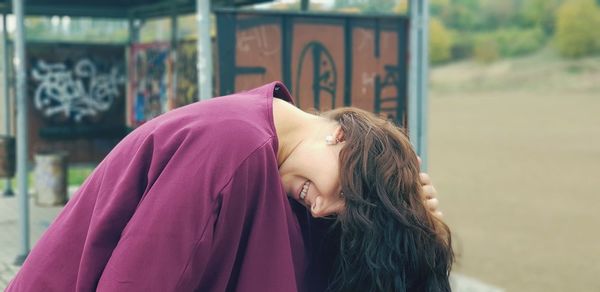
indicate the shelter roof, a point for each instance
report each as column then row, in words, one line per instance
column 117, row 8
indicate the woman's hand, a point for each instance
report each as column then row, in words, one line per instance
column 430, row 194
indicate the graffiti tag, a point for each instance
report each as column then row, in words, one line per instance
column 74, row 94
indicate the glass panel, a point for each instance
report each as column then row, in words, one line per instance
column 344, row 6
column 156, row 30
column 186, row 27
column 74, row 29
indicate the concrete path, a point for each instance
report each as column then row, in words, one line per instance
column 10, row 232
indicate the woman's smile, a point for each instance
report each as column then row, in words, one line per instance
column 303, row 192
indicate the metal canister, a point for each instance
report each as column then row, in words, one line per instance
column 7, row 156
column 51, row 178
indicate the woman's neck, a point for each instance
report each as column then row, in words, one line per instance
column 294, row 126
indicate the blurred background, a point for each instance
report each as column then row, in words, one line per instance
column 513, row 116
column 515, row 139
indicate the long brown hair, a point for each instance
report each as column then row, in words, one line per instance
column 389, row 240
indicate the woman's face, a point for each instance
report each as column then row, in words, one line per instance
column 311, row 176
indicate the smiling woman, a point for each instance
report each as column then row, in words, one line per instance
column 350, row 163
column 197, row 200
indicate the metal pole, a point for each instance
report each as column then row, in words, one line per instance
column 304, row 5
column 417, row 80
column 128, row 75
column 204, row 64
column 423, row 82
column 412, row 74
column 134, row 37
column 174, row 29
column 8, row 192
column 21, row 100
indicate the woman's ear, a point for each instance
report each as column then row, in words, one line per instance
column 338, row 133
column 324, row 208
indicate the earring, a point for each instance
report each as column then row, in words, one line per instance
column 329, row 140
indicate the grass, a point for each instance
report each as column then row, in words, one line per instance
column 539, row 73
column 76, row 176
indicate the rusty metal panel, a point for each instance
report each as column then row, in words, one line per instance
column 327, row 61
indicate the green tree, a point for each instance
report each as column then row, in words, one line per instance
column 401, row 7
column 366, row 6
column 462, row 15
column 438, row 7
column 540, row 13
column 577, row 33
column 486, row 49
column 514, row 42
column 494, row 14
column 440, row 41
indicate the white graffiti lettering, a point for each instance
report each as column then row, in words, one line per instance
column 367, row 81
column 257, row 39
column 64, row 92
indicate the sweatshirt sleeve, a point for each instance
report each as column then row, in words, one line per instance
column 257, row 243
column 132, row 226
column 73, row 252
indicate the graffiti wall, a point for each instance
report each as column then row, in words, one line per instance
column 186, row 90
column 326, row 61
column 151, row 76
column 77, row 98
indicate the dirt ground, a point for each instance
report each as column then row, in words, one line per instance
column 514, row 152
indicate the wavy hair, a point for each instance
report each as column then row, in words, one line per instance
column 389, row 241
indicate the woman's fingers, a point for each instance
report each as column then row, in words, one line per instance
column 430, row 195
column 432, row 205
column 429, row 192
column 425, row 179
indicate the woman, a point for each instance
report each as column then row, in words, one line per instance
column 197, row 200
